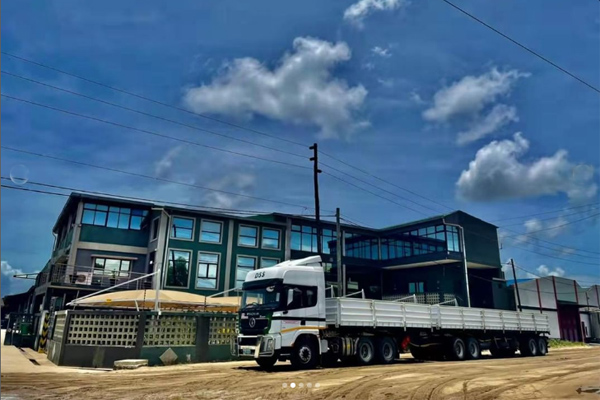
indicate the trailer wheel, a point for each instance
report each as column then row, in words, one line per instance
column 473, row 349
column 386, row 350
column 266, row 363
column 305, row 354
column 365, row 351
column 542, row 346
column 456, row 349
column 529, row 347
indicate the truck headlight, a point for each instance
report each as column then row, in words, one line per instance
column 270, row 344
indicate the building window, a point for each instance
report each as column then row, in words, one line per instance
column 154, row 229
column 210, row 231
column 248, row 236
column 268, row 262
column 245, row 264
column 179, row 268
column 112, row 267
column 271, row 238
column 113, row 217
column 362, row 246
column 416, row 287
column 452, row 238
column 304, row 238
column 182, row 228
column 329, row 239
column 208, row 270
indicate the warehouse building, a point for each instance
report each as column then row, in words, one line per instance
column 103, row 242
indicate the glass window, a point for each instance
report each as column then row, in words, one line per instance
column 329, row 239
column 245, row 264
column 154, row 229
column 112, row 217
column 268, row 262
column 208, row 267
column 248, row 236
column 182, row 228
column 210, row 231
column 304, row 238
column 416, row 287
column 302, row 297
column 179, row 267
column 270, row 238
column 112, row 267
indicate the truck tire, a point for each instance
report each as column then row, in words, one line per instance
column 456, row 349
column 542, row 345
column 529, row 347
column 266, row 363
column 305, row 354
column 473, row 349
column 365, row 351
column 386, row 351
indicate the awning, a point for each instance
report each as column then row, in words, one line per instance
column 168, row 300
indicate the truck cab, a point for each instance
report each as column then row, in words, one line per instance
column 281, row 307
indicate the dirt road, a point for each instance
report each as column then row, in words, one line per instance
column 556, row 376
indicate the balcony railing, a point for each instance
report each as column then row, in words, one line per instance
column 423, row 298
column 89, row 276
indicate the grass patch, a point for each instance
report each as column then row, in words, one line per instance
column 557, row 344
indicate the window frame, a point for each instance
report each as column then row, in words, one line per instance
column 258, row 236
column 417, row 285
column 268, row 258
column 120, row 259
column 256, row 260
column 182, row 217
column 154, row 232
column 202, row 220
column 198, row 270
column 191, row 262
column 262, row 246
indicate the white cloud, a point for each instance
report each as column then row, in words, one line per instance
column 164, row 166
column 416, row 98
column 237, row 182
column 544, row 271
column 381, row 52
column 358, row 11
column 8, row 270
column 300, row 89
column 387, row 83
column 471, row 94
column 497, row 173
column 498, row 117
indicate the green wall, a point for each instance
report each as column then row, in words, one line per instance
column 123, row 237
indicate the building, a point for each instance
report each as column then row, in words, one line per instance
column 103, row 242
column 573, row 311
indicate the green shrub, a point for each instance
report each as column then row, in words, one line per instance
column 558, row 343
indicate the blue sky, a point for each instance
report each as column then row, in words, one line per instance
column 416, row 93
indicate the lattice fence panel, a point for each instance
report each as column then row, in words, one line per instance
column 59, row 326
column 175, row 330
column 103, row 330
column 221, row 330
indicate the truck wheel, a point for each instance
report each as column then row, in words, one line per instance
column 365, row 351
column 386, row 350
column 542, row 346
column 266, row 363
column 529, row 347
column 456, row 349
column 305, row 354
column 473, row 349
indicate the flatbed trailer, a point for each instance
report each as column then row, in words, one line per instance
column 286, row 316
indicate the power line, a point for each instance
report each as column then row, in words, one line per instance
column 150, row 115
column 556, row 226
column 554, row 257
column 151, row 100
column 547, row 219
column 117, row 196
column 148, row 176
column 522, row 46
column 543, row 213
column 559, row 245
column 559, row 282
column 158, row 134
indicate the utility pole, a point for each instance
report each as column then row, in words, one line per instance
column 316, row 172
column 512, row 264
column 338, row 253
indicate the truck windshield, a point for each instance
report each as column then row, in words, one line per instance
column 265, row 297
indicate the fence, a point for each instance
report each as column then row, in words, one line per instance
column 423, row 298
column 89, row 276
column 99, row 338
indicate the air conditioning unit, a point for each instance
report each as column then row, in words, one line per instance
column 83, row 278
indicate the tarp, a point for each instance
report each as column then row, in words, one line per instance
column 169, row 299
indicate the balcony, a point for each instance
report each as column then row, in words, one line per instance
column 79, row 276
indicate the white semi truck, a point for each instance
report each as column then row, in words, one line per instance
column 286, row 315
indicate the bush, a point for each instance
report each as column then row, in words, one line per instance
column 558, row 343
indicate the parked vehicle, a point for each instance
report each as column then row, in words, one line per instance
column 285, row 315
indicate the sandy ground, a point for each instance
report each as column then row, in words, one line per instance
column 556, row 376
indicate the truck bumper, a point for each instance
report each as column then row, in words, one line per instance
column 254, row 346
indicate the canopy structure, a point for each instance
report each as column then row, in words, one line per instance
column 168, row 300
